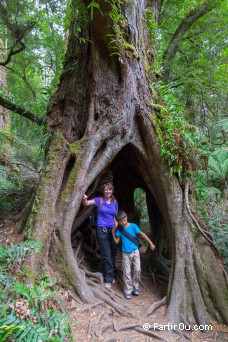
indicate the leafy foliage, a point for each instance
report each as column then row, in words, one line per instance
column 17, row 183
column 179, row 140
column 198, row 71
column 141, row 213
column 211, row 196
column 218, row 166
column 32, row 77
column 196, row 95
column 18, row 252
column 7, row 330
column 198, row 80
column 28, row 313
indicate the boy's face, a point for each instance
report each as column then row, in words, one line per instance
column 123, row 222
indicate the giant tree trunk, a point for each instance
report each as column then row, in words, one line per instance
column 101, row 117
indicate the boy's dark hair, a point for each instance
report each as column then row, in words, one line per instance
column 120, row 215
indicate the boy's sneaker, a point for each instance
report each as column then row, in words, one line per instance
column 127, row 295
column 108, row 285
column 136, row 292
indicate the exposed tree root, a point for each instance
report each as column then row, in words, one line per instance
column 117, row 328
column 91, row 323
column 77, row 250
column 76, row 299
column 91, row 306
column 155, row 306
column 121, row 309
column 138, row 328
column 163, row 279
column 151, row 334
column 100, row 317
column 96, row 275
column 156, row 262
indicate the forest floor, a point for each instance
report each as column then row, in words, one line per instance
column 101, row 322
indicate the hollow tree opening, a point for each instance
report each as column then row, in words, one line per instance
column 126, row 178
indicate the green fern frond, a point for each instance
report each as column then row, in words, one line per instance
column 217, row 169
column 18, row 251
column 7, row 330
column 58, row 322
column 11, row 319
column 220, row 154
column 6, row 280
column 33, row 332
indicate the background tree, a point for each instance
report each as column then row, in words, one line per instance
column 32, row 75
column 4, row 119
column 192, row 50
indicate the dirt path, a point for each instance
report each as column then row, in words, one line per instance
column 102, row 323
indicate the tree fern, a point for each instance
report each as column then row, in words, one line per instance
column 218, row 169
column 218, row 165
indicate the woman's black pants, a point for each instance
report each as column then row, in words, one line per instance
column 108, row 251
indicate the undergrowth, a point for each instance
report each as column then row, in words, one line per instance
column 211, row 195
column 29, row 312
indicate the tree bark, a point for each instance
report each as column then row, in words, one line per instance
column 4, row 115
column 101, row 118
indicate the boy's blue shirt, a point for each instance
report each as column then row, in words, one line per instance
column 127, row 245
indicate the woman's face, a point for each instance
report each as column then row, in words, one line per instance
column 107, row 191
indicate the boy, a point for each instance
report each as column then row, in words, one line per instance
column 130, row 253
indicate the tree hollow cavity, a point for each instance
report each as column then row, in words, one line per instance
column 136, row 200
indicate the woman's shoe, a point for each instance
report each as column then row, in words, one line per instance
column 108, row 285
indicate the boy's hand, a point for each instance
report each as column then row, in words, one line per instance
column 114, row 228
column 152, row 246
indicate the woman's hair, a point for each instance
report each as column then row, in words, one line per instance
column 120, row 215
column 108, row 185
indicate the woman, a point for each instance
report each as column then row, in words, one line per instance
column 107, row 207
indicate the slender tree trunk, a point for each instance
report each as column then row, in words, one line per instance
column 4, row 116
column 101, row 117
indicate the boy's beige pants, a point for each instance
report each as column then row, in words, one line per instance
column 131, row 262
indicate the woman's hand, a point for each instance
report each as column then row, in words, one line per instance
column 84, row 199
